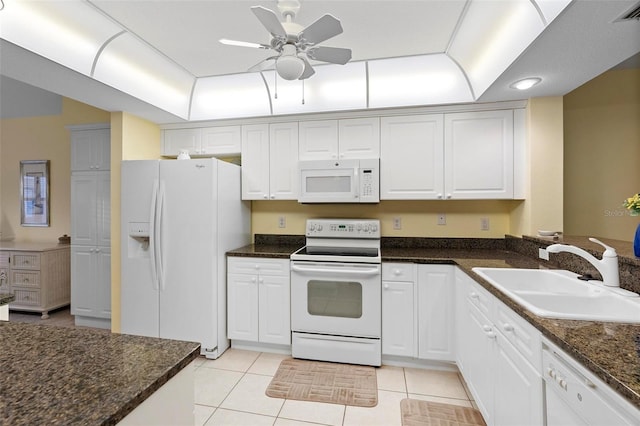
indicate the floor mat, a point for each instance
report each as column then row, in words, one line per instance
column 325, row 382
column 425, row 413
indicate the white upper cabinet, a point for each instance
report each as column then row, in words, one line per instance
column 411, row 157
column 451, row 156
column 207, row 141
column 340, row 139
column 90, row 150
column 479, row 155
column 270, row 161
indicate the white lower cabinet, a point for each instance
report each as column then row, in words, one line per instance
column 418, row 311
column 258, row 301
column 436, row 312
column 398, row 309
column 505, row 382
column 91, row 289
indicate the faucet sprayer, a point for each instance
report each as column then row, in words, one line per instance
column 608, row 266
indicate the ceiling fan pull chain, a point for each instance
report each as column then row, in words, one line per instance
column 302, row 92
column 275, row 76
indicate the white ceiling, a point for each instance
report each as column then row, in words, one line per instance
column 581, row 43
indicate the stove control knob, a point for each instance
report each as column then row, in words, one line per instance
column 359, row 227
column 374, row 228
column 319, row 228
column 366, row 228
column 312, row 227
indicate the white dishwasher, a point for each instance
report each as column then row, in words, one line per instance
column 574, row 396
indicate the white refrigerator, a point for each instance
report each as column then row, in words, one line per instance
column 178, row 219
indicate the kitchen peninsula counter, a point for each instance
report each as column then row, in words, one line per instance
column 610, row 350
column 63, row 375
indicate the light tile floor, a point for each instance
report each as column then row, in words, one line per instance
column 231, row 391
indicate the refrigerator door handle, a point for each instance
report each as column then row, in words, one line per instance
column 160, row 239
column 152, row 236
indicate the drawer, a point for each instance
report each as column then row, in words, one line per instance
column 522, row 335
column 26, row 297
column 480, row 298
column 25, row 278
column 25, row 261
column 257, row 265
column 399, row 272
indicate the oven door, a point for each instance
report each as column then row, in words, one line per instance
column 341, row 299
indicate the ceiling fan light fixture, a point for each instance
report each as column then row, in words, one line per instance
column 526, row 83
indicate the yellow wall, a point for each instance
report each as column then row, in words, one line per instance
column 40, row 138
column 543, row 205
column 132, row 138
column 418, row 218
column 602, row 155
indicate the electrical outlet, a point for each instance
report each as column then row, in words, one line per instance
column 484, row 223
column 282, row 222
column 442, row 219
column 543, row 254
column 397, row 223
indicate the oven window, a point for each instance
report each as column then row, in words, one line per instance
column 324, row 184
column 334, row 298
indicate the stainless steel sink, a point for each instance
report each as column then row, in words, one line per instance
column 560, row 294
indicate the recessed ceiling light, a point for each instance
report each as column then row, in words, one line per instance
column 526, row 83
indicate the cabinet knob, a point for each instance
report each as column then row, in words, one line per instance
column 386, row 286
column 253, row 280
column 261, row 280
column 396, row 272
column 265, row 196
column 439, row 196
column 474, row 295
column 273, row 196
column 507, row 327
column 97, row 250
column 448, row 195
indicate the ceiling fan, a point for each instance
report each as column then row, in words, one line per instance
column 294, row 44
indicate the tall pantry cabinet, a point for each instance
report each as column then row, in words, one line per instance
column 91, row 225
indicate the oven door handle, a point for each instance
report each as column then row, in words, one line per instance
column 364, row 272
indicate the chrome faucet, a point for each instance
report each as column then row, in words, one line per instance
column 608, row 266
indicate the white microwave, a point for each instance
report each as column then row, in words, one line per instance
column 339, row 181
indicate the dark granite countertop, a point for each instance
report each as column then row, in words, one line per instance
column 6, row 298
column 610, row 350
column 59, row 375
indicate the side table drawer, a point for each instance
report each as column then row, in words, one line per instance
column 25, row 278
column 26, row 297
column 26, row 261
column 4, row 280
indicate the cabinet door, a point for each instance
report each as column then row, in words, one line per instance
column 103, row 282
column 359, row 138
column 242, row 307
column 83, row 281
column 436, row 312
column 221, row 140
column 255, row 162
column 398, row 321
column 274, row 310
column 83, row 208
column 90, row 149
column 318, row 140
column 478, row 342
column 518, row 388
column 411, row 157
column 284, row 179
column 479, row 155
column 103, row 209
column 174, row 140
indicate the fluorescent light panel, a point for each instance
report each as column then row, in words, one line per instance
column 67, row 32
column 331, row 88
column 237, row 95
column 416, row 80
column 131, row 66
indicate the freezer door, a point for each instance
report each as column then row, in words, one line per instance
column 139, row 295
column 188, row 251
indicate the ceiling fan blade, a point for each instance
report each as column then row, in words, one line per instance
column 270, row 20
column 308, row 70
column 263, row 65
column 323, row 29
column 334, row 55
column 244, row 44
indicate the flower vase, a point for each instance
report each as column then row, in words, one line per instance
column 636, row 242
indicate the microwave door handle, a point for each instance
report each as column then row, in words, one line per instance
column 356, row 177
